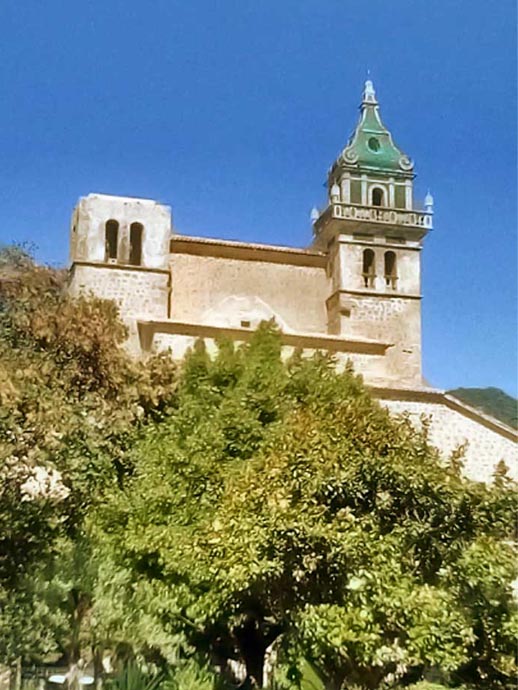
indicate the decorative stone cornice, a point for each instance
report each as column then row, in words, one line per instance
column 247, row 251
column 309, row 341
column 119, row 267
column 372, row 292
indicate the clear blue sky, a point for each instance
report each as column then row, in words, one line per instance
column 232, row 111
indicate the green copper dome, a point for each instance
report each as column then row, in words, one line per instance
column 371, row 147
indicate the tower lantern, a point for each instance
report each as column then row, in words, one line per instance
column 371, row 170
column 373, row 232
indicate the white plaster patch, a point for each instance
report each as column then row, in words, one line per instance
column 238, row 311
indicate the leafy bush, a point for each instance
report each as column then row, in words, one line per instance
column 132, row 677
column 190, row 675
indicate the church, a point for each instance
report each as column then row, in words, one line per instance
column 354, row 291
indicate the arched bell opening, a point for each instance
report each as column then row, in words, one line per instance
column 391, row 270
column 369, row 268
column 111, row 240
column 378, row 197
column 135, row 254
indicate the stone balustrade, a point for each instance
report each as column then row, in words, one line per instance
column 377, row 214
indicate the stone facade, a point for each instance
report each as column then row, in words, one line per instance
column 244, row 286
column 138, row 292
column 356, row 291
column 453, row 424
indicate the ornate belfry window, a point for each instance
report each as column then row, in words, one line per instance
column 135, row 255
column 369, row 268
column 111, row 240
column 391, row 270
column 378, row 197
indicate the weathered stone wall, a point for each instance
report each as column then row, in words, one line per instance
column 394, row 320
column 138, row 292
column 226, row 291
column 450, row 428
column 379, row 311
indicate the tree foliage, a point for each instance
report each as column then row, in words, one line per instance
column 70, row 400
column 280, row 504
column 242, row 520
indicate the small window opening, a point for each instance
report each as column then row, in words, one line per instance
column 135, row 255
column 390, row 270
column 374, row 144
column 378, row 197
column 369, row 268
column 111, row 237
column 245, row 324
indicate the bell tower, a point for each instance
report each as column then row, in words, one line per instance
column 372, row 230
column 119, row 250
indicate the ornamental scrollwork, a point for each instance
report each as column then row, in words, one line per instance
column 405, row 163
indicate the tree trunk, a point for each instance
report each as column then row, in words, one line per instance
column 5, row 677
column 253, row 647
column 254, row 660
column 18, row 674
column 98, row 667
column 73, row 678
column 79, row 605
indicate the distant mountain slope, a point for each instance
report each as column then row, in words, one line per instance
column 492, row 401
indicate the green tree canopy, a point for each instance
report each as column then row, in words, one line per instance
column 280, row 508
column 244, row 517
column 70, row 400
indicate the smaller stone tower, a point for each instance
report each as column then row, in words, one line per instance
column 119, row 250
column 372, row 231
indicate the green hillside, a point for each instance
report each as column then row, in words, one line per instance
column 492, row 401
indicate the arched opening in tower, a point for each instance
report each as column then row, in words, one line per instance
column 391, row 270
column 369, row 268
column 111, row 236
column 136, row 231
column 378, row 197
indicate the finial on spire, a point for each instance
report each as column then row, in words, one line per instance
column 315, row 215
column 369, row 95
column 428, row 202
